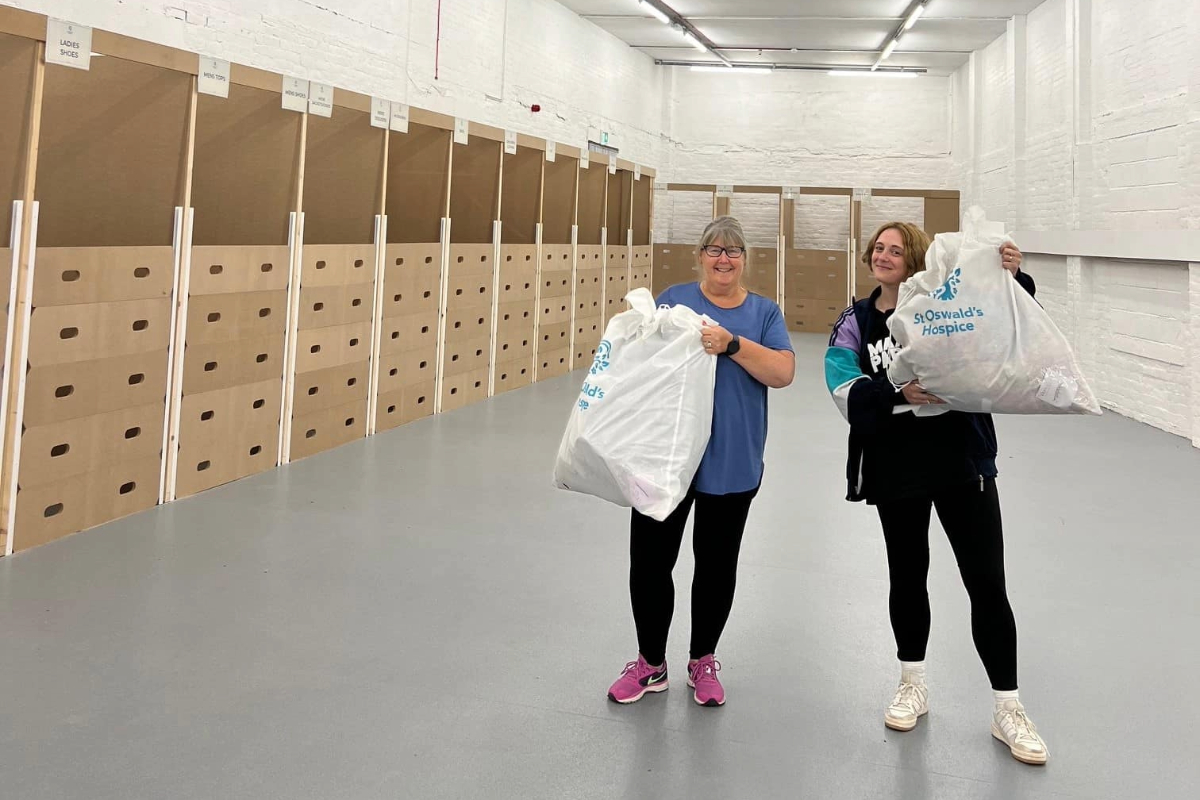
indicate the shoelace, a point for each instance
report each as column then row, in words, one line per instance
column 705, row 669
column 906, row 698
column 1026, row 731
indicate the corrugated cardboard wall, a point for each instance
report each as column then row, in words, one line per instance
column 244, row 187
column 342, row 184
column 112, row 162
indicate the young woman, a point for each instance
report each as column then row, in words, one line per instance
column 753, row 353
column 955, row 474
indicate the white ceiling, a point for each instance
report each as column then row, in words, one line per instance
column 846, row 33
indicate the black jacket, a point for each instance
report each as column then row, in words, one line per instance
column 894, row 456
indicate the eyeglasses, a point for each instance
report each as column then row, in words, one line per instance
column 714, row 251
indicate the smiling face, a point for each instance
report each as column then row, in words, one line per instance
column 721, row 272
column 887, row 259
column 896, row 252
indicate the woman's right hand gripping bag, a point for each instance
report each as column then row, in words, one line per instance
column 972, row 336
column 644, row 416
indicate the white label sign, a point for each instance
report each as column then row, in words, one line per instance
column 551, row 151
column 381, row 113
column 637, row 172
column 583, row 158
column 400, row 117
column 462, row 130
column 724, row 190
column 790, row 192
column 612, row 165
column 68, row 44
column 862, row 194
column 320, row 100
column 295, row 94
column 214, row 77
column 510, row 142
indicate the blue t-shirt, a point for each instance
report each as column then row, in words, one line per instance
column 733, row 461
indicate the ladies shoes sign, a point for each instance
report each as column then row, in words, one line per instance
column 68, row 44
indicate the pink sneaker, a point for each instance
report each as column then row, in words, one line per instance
column 702, row 676
column 637, row 679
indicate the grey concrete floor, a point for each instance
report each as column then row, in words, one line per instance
column 422, row 615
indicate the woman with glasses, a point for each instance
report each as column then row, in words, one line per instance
column 754, row 352
column 909, row 464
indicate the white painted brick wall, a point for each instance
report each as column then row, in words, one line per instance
column 1126, row 159
column 878, row 211
column 822, row 223
column 496, row 56
column 759, row 215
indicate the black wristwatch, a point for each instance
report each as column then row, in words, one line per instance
column 734, row 345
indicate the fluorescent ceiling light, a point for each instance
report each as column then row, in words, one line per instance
column 694, row 42
column 887, row 51
column 733, row 70
column 914, row 16
column 655, row 12
column 860, row 73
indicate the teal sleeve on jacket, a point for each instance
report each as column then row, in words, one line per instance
column 842, row 372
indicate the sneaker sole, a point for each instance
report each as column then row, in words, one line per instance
column 1034, row 759
column 658, row 687
column 711, row 703
column 902, row 725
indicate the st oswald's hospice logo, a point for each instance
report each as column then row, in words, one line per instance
column 948, row 290
column 590, row 392
column 600, row 362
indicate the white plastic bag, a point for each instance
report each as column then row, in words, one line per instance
column 643, row 418
column 972, row 336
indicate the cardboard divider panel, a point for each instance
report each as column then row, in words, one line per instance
column 17, row 64
column 468, row 340
column 405, row 405
column 514, row 374
column 464, row 388
column 224, row 365
column 592, row 217
column 761, row 274
column 112, row 166
column 619, row 216
column 330, row 387
column 521, row 196
column 408, row 348
column 234, row 270
column 555, row 363
column 474, row 190
column 588, row 332
column 643, row 203
column 558, row 201
column 227, row 434
column 79, row 502
column 616, row 277
column 405, row 369
column 418, row 184
column 244, row 179
column 327, row 429
column 112, row 154
column 343, row 175
column 641, row 272
column 674, row 264
column 78, row 446
column 412, row 277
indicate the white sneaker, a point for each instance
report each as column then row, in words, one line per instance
column 910, row 704
column 1011, row 726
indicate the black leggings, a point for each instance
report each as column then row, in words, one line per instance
column 970, row 515
column 653, row 550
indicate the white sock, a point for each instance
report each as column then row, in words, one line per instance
column 1001, row 697
column 912, row 672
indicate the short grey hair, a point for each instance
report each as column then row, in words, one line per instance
column 727, row 229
